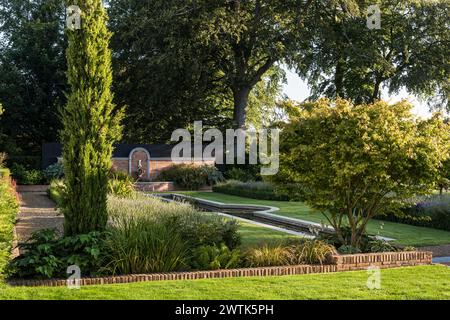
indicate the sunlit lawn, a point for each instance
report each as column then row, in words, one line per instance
column 426, row 282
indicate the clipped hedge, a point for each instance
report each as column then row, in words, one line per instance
column 9, row 207
column 432, row 212
column 255, row 190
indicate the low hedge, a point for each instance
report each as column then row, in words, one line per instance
column 9, row 206
column 430, row 212
column 255, row 190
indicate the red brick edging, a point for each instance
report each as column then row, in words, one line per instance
column 340, row 263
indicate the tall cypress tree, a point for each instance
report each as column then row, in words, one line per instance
column 90, row 123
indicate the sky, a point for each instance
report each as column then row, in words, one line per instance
column 297, row 89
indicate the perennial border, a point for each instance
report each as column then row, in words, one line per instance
column 339, row 263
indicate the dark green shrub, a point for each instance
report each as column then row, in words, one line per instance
column 206, row 229
column 347, row 249
column 52, row 172
column 256, row 190
column 190, row 177
column 47, row 255
column 25, row 176
column 215, row 257
column 431, row 212
column 239, row 174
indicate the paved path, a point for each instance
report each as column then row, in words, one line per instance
column 438, row 251
column 37, row 212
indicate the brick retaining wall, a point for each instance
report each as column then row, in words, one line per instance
column 340, row 263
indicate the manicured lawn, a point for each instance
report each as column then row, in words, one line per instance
column 425, row 282
column 404, row 234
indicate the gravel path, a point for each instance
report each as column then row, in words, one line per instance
column 37, row 212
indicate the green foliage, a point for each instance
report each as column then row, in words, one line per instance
column 348, row 60
column 121, row 185
column 141, row 244
column 25, row 176
column 56, row 191
column 9, row 206
column 3, row 157
column 356, row 161
column 431, row 211
column 240, row 174
column 215, row 257
column 149, row 235
column 191, row 177
column 294, row 253
column 256, row 190
column 91, row 123
column 48, row 256
column 32, row 74
column 52, row 172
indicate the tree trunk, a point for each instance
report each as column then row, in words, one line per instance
column 240, row 106
column 376, row 91
column 339, row 78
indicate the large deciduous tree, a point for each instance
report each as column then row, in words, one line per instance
column 32, row 77
column 198, row 54
column 91, row 124
column 355, row 161
column 410, row 51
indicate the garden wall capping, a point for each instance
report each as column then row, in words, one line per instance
column 339, row 263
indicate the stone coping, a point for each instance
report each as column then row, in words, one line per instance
column 338, row 263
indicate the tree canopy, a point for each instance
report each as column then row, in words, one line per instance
column 354, row 161
column 410, row 51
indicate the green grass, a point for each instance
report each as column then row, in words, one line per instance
column 425, row 282
column 404, row 234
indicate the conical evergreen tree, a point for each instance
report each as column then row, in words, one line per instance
column 91, row 124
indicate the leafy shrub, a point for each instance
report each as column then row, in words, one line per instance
column 347, row 249
column 56, row 191
column 256, row 190
column 191, row 177
column 3, row 157
column 47, row 255
column 215, row 257
column 4, row 173
column 25, row 176
column 380, row 246
column 52, row 172
column 121, row 186
column 431, row 211
column 240, row 174
column 149, row 235
column 9, row 206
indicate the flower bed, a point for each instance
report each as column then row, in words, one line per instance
column 340, row 263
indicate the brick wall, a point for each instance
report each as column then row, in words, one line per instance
column 340, row 263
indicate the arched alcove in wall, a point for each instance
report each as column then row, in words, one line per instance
column 139, row 155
